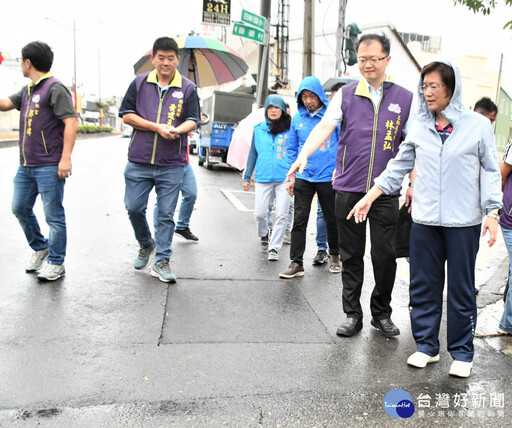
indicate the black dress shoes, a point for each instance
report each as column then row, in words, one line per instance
column 349, row 327
column 386, row 327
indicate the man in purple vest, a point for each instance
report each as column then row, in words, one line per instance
column 162, row 107
column 47, row 136
column 372, row 114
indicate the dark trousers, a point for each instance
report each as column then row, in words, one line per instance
column 304, row 192
column 430, row 248
column 383, row 217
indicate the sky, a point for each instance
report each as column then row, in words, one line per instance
column 112, row 35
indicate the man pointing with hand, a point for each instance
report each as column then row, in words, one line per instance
column 372, row 114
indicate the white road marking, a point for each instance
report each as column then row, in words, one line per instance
column 229, row 194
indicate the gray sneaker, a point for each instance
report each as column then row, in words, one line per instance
column 162, row 271
column 321, row 257
column 142, row 259
column 335, row 263
column 287, row 237
column 264, row 243
column 293, row 270
column 51, row 272
column 37, row 259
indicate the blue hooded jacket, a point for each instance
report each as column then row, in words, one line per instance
column 322, row 163
column 457, row 181
column 268, row 153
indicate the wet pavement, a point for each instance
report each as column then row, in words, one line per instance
column 230, row 344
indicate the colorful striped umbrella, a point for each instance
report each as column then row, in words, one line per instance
column 216, row 62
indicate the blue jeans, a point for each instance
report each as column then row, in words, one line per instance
column 321, row 229
column 43, row 180
column 140, row 180
column 506, row 319
column 188, row 197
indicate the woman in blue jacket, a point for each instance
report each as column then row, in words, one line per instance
column 457, row 182
column 269, row 161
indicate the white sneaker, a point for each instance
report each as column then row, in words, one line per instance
column 420, row 359
column 37, row 259
column 273, row 256
column 264, row 243
column 461, row 368
column 51, row 272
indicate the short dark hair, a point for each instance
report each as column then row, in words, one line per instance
column 445, row 71
column 337, row 86
column 39, row 54
column 486, row 105
column 165, row 44
column 381, row 38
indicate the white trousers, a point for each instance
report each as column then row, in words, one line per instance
column 262, row 198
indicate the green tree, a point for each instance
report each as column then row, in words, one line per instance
column 484, row 6
column 112, row 102
column 100, row 104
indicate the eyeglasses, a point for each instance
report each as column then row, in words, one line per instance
column 431, row 88
column 374, row 60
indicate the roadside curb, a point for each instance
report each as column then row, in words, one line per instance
column 489, row 292
column 14, row 142
column 8, row 143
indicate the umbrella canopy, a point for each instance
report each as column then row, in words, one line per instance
column 216, row 62
column 241, row 140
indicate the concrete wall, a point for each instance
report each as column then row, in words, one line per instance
column 477, row 80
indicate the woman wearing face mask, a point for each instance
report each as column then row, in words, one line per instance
column 457, row 182
column 269, row 161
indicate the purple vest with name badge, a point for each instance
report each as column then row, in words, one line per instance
column 149, row 147
column 506, row 215
column 41, row 132
column 370, row 135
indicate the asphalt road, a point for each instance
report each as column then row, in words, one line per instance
column 230, row 344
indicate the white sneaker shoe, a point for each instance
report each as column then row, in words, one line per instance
column 461, row 368
column 51, row 272
column 37, row 259
column 420, row 359
column 272, row 255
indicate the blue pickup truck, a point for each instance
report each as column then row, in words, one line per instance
column 225, row 110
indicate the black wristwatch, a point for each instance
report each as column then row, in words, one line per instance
column 495, row 214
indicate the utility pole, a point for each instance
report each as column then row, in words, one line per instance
column 308, row 40
column 340, row 32
column 261, row 93
column 99, row 88
column 263, row 58
column 74, row 67
column 499, row 81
